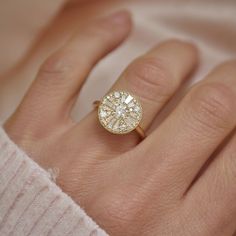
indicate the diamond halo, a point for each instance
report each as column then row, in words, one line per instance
column 119, row 112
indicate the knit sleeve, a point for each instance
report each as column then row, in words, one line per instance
column 31, row 204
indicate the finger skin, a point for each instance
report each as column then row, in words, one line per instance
column 216, row 186
column 215, row 193
column 155, row 77
column 60, row 78
column 66, row 70
column 186, row 139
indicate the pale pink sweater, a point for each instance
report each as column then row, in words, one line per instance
column 31, row 204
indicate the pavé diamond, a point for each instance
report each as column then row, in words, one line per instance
column 115, row 113
column 103, row 113
column 116, row 94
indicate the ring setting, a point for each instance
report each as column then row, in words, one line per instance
column 119, row 112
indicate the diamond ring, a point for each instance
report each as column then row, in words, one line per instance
column 119, row 112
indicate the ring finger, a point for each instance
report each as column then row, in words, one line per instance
column 153, row 79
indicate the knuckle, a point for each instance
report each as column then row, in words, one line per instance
column 213, row 104
column 150, row 78
column 57, row 66
column 121, row 215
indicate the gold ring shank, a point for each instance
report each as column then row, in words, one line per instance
column 138, row 129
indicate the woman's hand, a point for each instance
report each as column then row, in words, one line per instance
column 180, row 180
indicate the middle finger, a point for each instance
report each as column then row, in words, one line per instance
column 187, row 138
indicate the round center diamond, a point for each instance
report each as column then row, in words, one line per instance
column 119, row 112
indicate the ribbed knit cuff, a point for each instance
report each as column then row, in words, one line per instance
column 31, row 204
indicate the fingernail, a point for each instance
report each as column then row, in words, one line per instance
column 120, row 17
